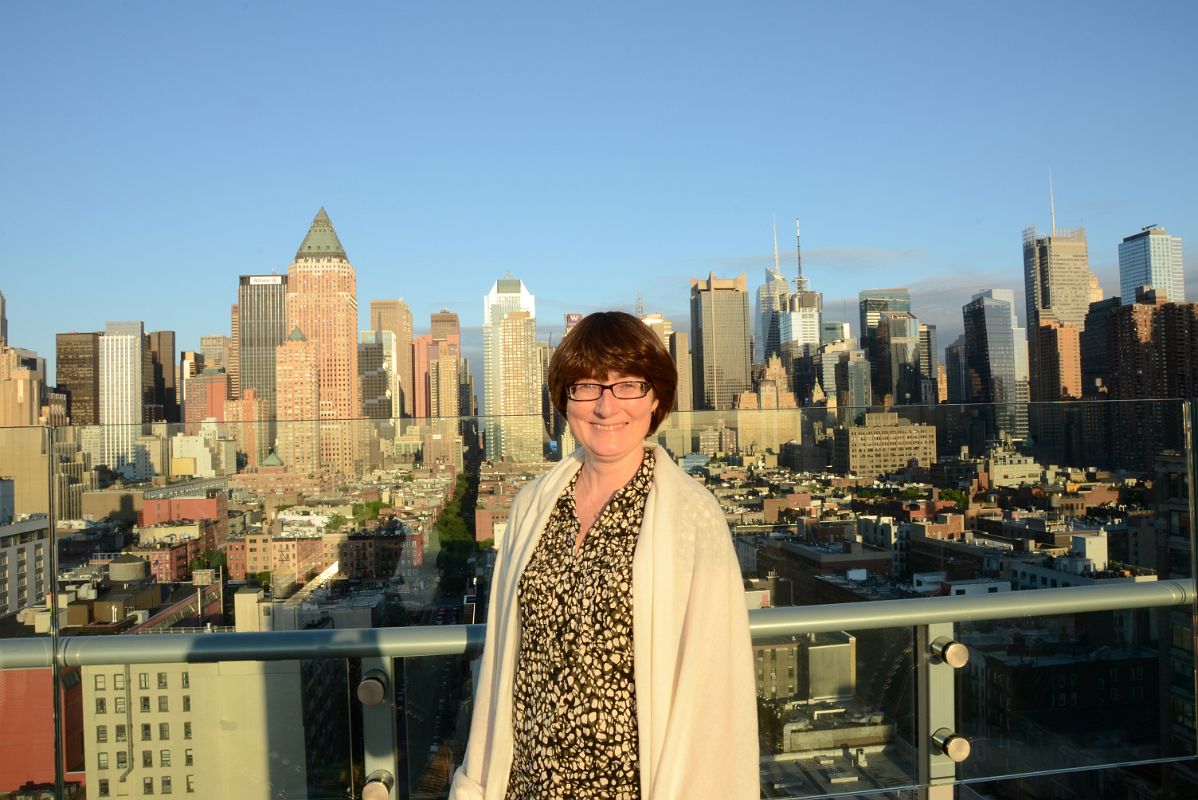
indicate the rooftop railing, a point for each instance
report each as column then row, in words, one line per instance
column 1083, row 687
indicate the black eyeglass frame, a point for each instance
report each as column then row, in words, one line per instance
column 611, row 387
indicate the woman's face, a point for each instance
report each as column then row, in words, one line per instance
column 610, row 429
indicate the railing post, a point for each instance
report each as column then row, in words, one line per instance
column 940, row 749
column 376, row 693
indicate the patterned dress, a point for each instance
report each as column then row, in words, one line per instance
column 574, row 702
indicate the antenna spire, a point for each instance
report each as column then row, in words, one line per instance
column 1052, row 208
column 801, row 283
column 777, row 263
column 640, row 304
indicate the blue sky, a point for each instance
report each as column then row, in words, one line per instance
column 155, row 151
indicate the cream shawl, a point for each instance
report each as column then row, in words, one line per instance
column 696, row 702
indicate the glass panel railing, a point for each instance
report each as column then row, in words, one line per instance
column 287, row 525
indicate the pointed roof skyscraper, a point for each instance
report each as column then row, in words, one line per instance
column 321, row 241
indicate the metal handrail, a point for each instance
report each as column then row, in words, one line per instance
column 438, row 640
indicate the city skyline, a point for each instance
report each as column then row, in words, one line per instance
column 455, row 171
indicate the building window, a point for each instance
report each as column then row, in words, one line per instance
column 161, row 680
column 163, row 705
column 164, row 731
column 145, row 705
column 120, row 705
column 164, row 758
column 186, row 730
column 191, row 783
column 101, row 734
column 187, row 702
column 101, row 705
column 143, row 680
column 103, row 787
column 99, row 682
column 146, row 734
column 120, row 733
column 147, row 786
column 187, row 757
column 186, row 680
column 122, row 759
column 102, row 760
column 166, row 784
column 147, row 759
column 118, row 681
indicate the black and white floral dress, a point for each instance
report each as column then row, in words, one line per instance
column 574, row 701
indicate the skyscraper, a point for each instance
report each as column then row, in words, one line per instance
column 720, row 350
column 261, row 328
column 396, row 317
column 870, row 305
column 378, row 369
column 444, row 324
column 989, row 362
column 1059, row 288
column 511, row 374
column 896, row 341
column 1151, row 258
column 3, row 319
column 122, row 366
column 299, row 437
column 772, row 300
column 322, row 303
column 78, row 374
column 162, row 375
column 235, row 353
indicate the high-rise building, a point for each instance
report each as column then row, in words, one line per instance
column 661, row 326
column 3, row 319
column 444, row 324
column 215, row 349
column 298, row 404
column 234, row 368
column 896, row 342
column 511, row 374
column 122, row 367
column 261, row 328
column 679, row 346
column 773, row 298
column 1151, row 258
column 22, row 391
column 396, row 317
column 929, row 365
column 322, row 303
column 78, row 374
column 205, row 399
column 989, row 362
column 162, row 394
column 378, row 371
column 720, row 349
column 1059, row 288
column 870, row 305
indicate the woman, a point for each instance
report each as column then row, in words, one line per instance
column 617, row 662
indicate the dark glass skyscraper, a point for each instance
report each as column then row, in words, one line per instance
column 262, row 327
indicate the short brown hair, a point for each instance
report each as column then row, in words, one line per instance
column 613, row 341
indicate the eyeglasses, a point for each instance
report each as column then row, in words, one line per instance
column 624, row 390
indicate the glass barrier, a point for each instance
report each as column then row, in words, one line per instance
column 292, row 525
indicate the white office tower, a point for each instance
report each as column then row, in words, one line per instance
column 511, row 373
column 123, row 358
column 1151, row 258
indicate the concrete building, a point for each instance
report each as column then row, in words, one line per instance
column 123, row 359
column 884, row 444
column 720, row 355
column 322, row 303
column 299, row 434
column 511, row 373
column 163, row 392
column 24, row 557
column 1153, row 259
column 375, row 373
column 395, row 316
column 768, row 417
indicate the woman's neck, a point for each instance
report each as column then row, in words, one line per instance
column 607, row 477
